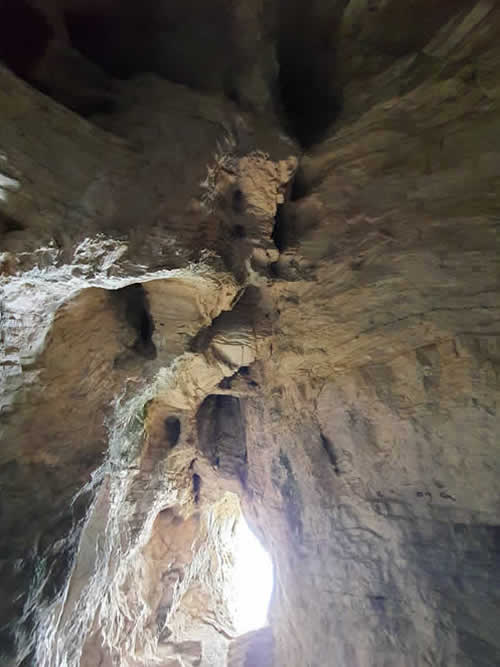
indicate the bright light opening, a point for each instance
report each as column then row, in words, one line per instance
column 253, row 580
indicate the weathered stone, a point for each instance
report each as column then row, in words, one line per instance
column 200, row 320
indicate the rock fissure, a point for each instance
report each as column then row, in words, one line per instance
column 249, row 270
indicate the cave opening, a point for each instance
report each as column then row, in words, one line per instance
column 137, row 313
column 252, row 579
column 308, row 97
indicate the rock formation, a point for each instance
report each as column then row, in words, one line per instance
column 249, row 264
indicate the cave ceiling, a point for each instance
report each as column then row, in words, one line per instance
column 249, row 266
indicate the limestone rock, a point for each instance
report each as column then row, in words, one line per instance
column 249, row 264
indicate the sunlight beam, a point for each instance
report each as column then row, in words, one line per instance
column 253, row 580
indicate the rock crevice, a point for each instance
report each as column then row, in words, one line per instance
column 249, row 266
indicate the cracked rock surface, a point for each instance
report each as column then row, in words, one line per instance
column 249, row 265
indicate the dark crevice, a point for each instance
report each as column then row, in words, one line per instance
column 239, row 231
column 196, row 487
column 299, row 188
column 330, row 451
column 176, row 41
column 284, row 478
column 233, row 94
column 172, row 430
column 101, row 38
column 9, row 224
column 279, row 234
column 88, row 106
column 221, row 434
column 274, row 270
column 238, row 201
column 136, row 306
column 309, row 113
column 24, row 35
column 308, row 97
column 242, row 372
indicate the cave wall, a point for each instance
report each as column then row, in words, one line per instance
column 264, row 264
column 391, row 556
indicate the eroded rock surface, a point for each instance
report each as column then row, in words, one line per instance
column 250, row 264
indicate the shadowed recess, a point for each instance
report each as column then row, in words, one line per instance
column 136, row 311
column 308, row 95
column 24, row 35
column 172, row 430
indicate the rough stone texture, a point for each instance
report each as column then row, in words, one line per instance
column 197, row 315
column 253, row 649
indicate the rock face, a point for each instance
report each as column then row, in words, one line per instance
column 250, row 264
column 254, row 648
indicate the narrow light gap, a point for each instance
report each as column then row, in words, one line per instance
column 253, row 580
